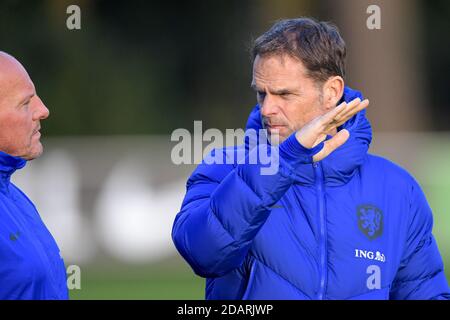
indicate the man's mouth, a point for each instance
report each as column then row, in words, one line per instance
column 37, row 132
column 272, row 127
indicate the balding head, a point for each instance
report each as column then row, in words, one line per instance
column 13, row 78
column 20, row 110
column 7, row 60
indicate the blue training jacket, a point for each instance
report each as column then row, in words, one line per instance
column 30, row 263
column 352, row 226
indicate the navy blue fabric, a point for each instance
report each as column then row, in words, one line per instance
column 296, row 234
column 30, row 263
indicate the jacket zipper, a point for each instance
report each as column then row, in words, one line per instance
column 320, row 186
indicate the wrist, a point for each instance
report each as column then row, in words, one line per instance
column 292, row 150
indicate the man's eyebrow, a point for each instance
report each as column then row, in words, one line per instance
column 281, row 91
column 275, row 91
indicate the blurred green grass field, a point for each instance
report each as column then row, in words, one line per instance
column 169, row 279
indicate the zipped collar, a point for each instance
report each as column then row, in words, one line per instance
column 8, row 165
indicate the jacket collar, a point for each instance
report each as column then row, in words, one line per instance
column 8, row 165
column 340, row 166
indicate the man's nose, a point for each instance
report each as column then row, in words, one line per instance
column 269, row 106
column 40, row 110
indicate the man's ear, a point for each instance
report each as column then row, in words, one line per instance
column 333, row 90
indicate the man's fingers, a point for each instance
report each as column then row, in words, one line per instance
column 330, row 145
column 320, row 138
column 334, row 113
column 351, row 112
column 347, row 114
column 312, row 131
column 350, row 106
column 315, row 131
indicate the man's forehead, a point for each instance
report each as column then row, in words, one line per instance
column 13, row 77
column 277, row 68
column 280, row 61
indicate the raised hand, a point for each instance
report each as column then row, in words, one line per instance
column 316, row 131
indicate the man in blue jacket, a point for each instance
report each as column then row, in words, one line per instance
column 333, row 222
column 31, row 266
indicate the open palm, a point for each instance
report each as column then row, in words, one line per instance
column 316, row 131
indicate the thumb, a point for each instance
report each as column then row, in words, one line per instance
column 330, row 145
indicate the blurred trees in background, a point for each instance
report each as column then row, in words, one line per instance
column 147, row 67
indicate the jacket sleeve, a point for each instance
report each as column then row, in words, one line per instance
column 421, row 272
column 226, row 205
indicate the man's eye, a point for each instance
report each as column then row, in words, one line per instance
column 261, row 94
